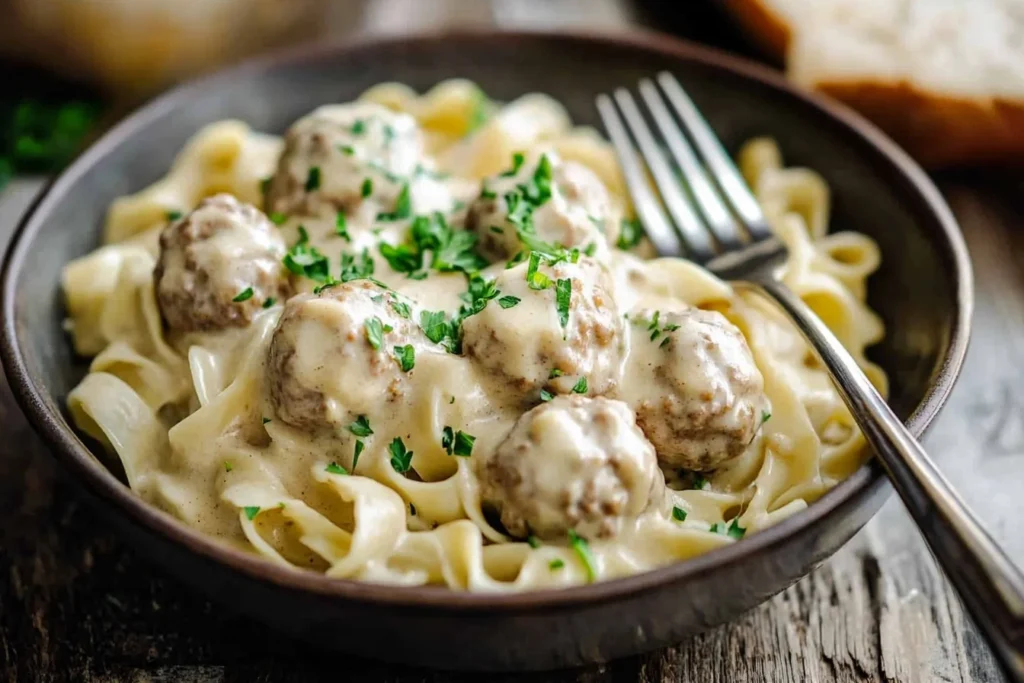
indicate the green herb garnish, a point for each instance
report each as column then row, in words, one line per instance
column 305, row 260
column 361, row 427
column 313, row 179
column 582, row 548
column 401, row 458
column 406, row 357
column 355, row 456
column 563, row 296
column 173, row 216
column 533, row 541
column 546, row 395
column 735, row 530
column 244, row 295
column 678, row 513
column 251, row 511
column 375, row 330
column 508, row 301
column 403, row 206
column 581, row 386
column 335, row 468
column 367, row 188
column 630, row 234
column 341, row 227
column 555, row 564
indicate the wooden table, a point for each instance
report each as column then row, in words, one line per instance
column 79, row 605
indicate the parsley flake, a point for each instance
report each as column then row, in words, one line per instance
column 277, row 218
column 765, row 416
column 313, row 179
column 581, row 386
column 341, row 227
column 335, row 468
column 582, row 549
column 699, row 482
column 518, row 159
column 401, row 308
column 401, row 458
column 306, row 260
column 367, row 188
column 533, row 541
column 352, row 269
column 630, row 234
column 244, row 295
column 347, row 150
column 251, row 511
column 556, row 564
column 406, row 357
column 361, row 427
column 555, row 372
column 678, row 513
column 266, row 420
column 563, row 296
column 403, row 206
column 375, row 330
column 447, row 439
column 546, row 395
column 228, row 466
column 358, row 451
column 735, row 530
column 508, row 301
column 359, row 127
column 463, row 444
column 174, row 215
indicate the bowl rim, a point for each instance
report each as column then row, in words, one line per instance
column 64, row 442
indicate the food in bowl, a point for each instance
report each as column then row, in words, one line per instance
column 420, row 340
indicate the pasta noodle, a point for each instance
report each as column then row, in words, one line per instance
column 193, row 421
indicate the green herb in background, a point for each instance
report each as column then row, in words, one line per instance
column 41, row 137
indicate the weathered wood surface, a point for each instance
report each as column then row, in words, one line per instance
column 77, row 604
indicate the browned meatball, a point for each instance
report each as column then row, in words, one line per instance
column 332, row 356
column 339, row 155
column 218, row 265
column 698, row 395
column 578, row 214
column 574, row 463
column 528, row 345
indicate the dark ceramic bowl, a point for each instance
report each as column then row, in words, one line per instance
column 923, row 292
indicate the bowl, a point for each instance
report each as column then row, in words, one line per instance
column 923, row 291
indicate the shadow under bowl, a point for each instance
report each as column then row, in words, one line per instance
column 923, row 292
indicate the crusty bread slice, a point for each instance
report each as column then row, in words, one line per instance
column 945, row 78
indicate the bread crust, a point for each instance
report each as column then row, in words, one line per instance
column 936, row 129
column 765, row 26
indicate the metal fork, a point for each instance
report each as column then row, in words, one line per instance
column 719, row 225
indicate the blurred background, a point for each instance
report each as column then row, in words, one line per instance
column 945, row 78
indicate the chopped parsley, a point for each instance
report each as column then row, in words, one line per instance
column 265, row 185
column 401, row 458
column 244, row 295
column 630, row 234
column 590, row 249
column 717, row 528
column 735, row 530
column 555, row 372
column 556, row 564
column 450, row 250
column 174, row 215
column 765, row 416
column 699, row 482
column 341, row 227
column 313, row 179
column 463, row 444
column 457, row 442
column 375, row 330
column 401, row 308
column 228, row 466
column 406, row 357
column 347, row 150
column 546, row 395
column 389, row 134
column 367, row 188
column 534, row 278
column 361, row 427
column 355, row 455
column 251, row 511
column 335, row 468
column 563, row 296
column 359, row 127
column 508, row 301
column 305, row 260
column 412, row 509
column 403, row 206
column 266, row 420
column 277, row 218
column 582, row 548
column 268, row 302
column 581, row 386
column 434, row 325
column 533, row 541
column 518, row 159
column 487, row 193
column 352, row 269
column 678, row 513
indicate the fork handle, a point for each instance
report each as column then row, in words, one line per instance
column 988, row 583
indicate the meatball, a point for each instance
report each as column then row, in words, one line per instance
column 547, row 339
column 572, row 464
column 332, row 357
column 577, row 214
column 218, row 265
column 697, row 393
column 338, row 155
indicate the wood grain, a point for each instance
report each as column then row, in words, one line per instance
column 77, row 604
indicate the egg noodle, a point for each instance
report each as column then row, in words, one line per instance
column 197, row 434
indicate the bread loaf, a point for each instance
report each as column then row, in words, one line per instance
column 945, row 78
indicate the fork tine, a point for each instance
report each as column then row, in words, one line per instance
column 699, row 247
column 654, row 220
column 716, row 214
column 723, row 170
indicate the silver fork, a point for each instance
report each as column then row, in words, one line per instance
column 720, row 226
